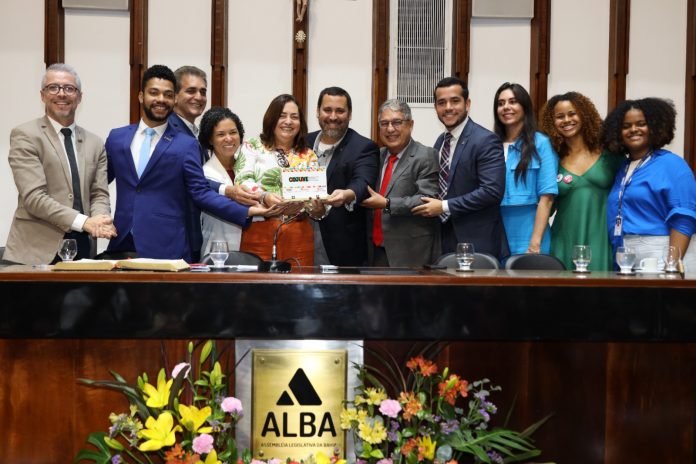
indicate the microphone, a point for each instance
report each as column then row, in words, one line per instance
column 275, row 265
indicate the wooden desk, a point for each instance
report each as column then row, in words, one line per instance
column 614, row 357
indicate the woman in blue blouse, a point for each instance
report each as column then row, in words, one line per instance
column 653, row 201
column 531, row 167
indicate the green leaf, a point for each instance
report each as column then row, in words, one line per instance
column 113, row 444
column 271, row 180
column 103, row 453
column 377, row 453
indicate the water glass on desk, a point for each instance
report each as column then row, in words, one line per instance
column 219, row 253
column 68, row 249
column 672, row 255
column 465, row 257
column 625, row 258
column 582, row 255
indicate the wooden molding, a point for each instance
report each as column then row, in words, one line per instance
column 218, row 52
column 138, row 53
column 461, row 38
column 540, row 56
column 54, row 32
column 380, row 59
column 690, row 103
column 299, row 59
column 619, row 24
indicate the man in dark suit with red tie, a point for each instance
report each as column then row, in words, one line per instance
column 471, row 178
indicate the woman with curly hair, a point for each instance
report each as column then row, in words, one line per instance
column 653, row 201
column 222, row 134
column 531, row 166
column 585, row 176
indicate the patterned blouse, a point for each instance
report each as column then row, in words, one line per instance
column 256, row 166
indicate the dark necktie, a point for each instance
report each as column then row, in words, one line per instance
column 77, row 194
column 377, row 233
column 444, row 171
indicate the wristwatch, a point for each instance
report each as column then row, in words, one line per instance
column 387, row 209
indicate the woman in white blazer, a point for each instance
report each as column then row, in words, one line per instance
column 221, row 133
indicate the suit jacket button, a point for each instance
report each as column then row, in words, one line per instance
column 70, row 196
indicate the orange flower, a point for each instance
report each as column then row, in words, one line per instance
column 411, row 404
column 426, row 367
column 178, row 455
column 451, row 387
column 408, row 447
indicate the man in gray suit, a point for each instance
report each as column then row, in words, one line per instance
column 60, row 173
column 408, row 172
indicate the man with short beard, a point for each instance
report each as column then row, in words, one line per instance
column 351, row 166
column 157, row 171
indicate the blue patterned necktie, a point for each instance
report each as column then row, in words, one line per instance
column 444, row 171
column 145, row 151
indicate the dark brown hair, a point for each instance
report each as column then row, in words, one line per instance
column 271, row 118
column 591, row 130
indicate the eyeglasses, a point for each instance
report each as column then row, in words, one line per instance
column 54, row 89
column 396, row 123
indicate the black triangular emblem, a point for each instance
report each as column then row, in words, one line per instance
column 285, row 400
column 302, row 389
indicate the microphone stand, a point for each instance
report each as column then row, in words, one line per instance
column 276, row 265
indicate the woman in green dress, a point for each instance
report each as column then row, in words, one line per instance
column 585, row 176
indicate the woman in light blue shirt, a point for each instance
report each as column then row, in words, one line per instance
column 531, row 168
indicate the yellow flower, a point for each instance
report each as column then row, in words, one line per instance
column 373, row 434
column 375, row 396
column 348, row 415
column 158, row 397
column 193, row 418
column 321, row 458
column 359, row 400
column 426, row 448
column 159, row 432
column 211, row 458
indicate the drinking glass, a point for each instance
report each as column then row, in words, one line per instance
column 582, row 255
column 219, row 253
column 671, row 256
column 68, row 249
column 625, row 258
column 465, row 256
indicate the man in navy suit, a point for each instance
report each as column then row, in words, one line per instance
column 351, row 166
column 157, row 170
column 471, row 177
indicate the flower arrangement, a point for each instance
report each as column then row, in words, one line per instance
column 436, row 417
column 185, row 417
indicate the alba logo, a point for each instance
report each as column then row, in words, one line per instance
column 305, row 422
column 302, row 389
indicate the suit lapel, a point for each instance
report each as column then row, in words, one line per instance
column 404, row 162
column 81, row 163
column 126, row 149
column 336, row 155
column 58, row 149
column 160, row 149
column 459, row 151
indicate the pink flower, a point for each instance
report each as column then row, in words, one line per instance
column 275, row 461
column 256, row 461
column 390, row 408
column 203, row 444
column 232, row 405
column 384, row 461
column 179, row 367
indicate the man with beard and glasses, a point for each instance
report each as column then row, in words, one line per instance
column 351, row 161
column 157, row 170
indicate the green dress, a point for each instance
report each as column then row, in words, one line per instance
column 581, row 213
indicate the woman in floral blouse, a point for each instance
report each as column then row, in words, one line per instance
column 258, row 166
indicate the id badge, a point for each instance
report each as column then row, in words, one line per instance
column 617, row 227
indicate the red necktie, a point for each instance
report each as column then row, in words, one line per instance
column 377, row 234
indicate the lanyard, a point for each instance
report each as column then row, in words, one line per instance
column 624, row 184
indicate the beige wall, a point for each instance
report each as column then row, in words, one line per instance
column 340, row 53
